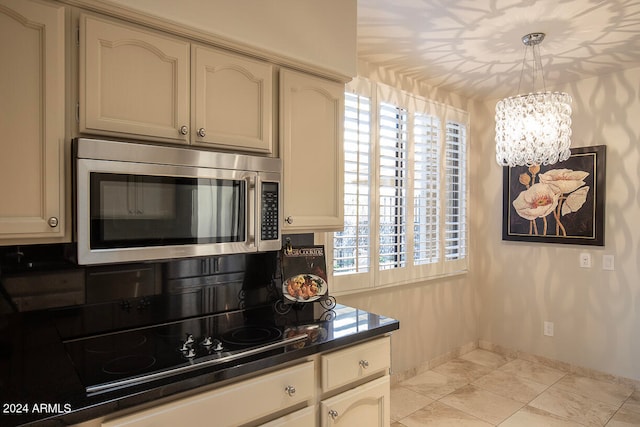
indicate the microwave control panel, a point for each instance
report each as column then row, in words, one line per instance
column 269, row 228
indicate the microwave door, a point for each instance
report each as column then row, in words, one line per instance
column 127, row 212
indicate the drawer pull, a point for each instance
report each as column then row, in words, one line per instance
column 291, row 390
column 333, row 414
column 364, row 364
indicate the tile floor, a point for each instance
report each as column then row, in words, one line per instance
column 483, row 388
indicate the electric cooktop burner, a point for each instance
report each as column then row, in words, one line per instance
column 251, row 335
column 127, row 358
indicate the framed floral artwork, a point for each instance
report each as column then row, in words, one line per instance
column 559, row 203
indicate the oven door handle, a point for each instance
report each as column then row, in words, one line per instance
column 127, row 382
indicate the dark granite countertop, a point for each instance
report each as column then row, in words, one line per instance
column 39, row 385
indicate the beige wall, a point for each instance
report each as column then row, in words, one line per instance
column 319, row 33
column 512, row 287
column 596, row 313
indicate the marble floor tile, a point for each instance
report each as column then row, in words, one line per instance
column 603, row 391
column 633, row 402
column 433, row 384
column 575, row 407
column 482, row 404
column 461, row 369
column 511, row 386
column 485, row 358
column 482, row 388
column 625, row 418
column 441, row 415
column 533, row 417
column 532, row 371
column 405, row 401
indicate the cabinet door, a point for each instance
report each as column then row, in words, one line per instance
column 232, row 101
column 312, row 111
column 367, row 405
column 132, row 82
column 32, row 84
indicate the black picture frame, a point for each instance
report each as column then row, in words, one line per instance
column 576, row 217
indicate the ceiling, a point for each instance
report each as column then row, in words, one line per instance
column 474, row 47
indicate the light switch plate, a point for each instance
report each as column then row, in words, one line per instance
column 608, row 262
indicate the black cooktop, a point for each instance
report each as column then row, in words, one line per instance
column 123, row 358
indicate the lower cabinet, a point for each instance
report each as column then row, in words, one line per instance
column 345, row 387
column 366, row 405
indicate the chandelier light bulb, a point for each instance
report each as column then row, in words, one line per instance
column 533, row 129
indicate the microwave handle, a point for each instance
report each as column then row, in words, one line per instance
column 252, row 215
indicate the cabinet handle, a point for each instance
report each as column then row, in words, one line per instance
column 202, row 133
column 184, row 130
column 291, row 390
column 333, row 414
column 364, row 364
column 288, row 220
column 53, row 222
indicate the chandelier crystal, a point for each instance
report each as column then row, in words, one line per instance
column 533, row 129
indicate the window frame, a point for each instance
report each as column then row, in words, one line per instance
column 375, row 277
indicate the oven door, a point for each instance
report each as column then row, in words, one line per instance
column 129, row 211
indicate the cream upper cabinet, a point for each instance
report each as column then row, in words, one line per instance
column 232, row 100
column 366, row 405
column 32, row 84
column 311, row 123
column 133, row 82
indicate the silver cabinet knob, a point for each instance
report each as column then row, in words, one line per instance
column 184, row 130
column 289, row 220
column 202, row 133
column 364, row 364
column 333, row 414
column 53, row 222
column 291, row 390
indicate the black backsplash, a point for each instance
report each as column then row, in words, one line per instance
column 36, row 277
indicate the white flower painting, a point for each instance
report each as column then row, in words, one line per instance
column 556, row 202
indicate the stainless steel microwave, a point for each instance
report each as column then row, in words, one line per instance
column 138, row 202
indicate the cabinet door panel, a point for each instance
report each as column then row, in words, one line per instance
column 132, row 81
column 233, row 99
column 312, row 114
column 32, row 85
column 367, row 405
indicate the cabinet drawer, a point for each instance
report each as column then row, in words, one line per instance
column 345, row 366
column 231, row 405
column 303, row 418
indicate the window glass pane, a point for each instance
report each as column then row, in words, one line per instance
column 392, row 186
column 351, row 246
column 426, row 188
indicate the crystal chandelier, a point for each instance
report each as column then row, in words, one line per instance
column 533, row 129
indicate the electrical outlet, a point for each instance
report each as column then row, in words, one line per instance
column 585, row 260
column 608, row 262
column 547, row 329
